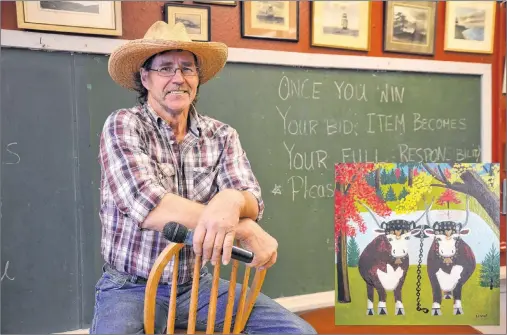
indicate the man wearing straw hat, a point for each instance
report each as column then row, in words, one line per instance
column 162, row 161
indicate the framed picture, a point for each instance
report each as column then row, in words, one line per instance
column 469, row 26
column 341, row 24
column 276, row 20
column 391, row 248
column 223, row 3
column 82, row 17
column 196, row 19
column 410, row 27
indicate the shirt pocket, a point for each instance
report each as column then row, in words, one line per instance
column 167, row 176
column 204, row 183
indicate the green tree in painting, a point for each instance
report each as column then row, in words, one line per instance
column 390, row 195
column 403, row 193
column 353, row 253
column 490, row 270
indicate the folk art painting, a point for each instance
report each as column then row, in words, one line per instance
column 417, row 244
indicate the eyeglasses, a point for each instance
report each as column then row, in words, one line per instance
column 171, row 71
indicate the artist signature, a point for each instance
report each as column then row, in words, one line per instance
column 480, row 316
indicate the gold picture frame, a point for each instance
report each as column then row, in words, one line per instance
column 81, row 17
column 221, row 3
column 470, row 26
column 273, row 20
column 350, row 31
column 410, row 27
column 197, row 19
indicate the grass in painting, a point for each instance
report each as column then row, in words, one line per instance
column 477, row 303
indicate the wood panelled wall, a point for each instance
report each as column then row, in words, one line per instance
column 225, row 27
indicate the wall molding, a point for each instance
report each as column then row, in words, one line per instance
column 104, row 46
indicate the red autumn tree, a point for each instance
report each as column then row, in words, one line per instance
column 448, row 197
column 351, row 186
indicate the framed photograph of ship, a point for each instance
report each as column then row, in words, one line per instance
column 470, row 26
column 341, row 24
column 81, row 17
column 410, row 27
column 274, row 20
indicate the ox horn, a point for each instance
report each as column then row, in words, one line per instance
column 467, row 211
column 372, row 214
column 426, row 211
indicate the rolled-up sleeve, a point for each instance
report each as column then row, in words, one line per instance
column 129, row 172
column 236, row 172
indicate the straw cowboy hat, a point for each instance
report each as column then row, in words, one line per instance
column 127, row 59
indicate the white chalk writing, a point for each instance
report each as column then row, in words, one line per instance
column 5, row 273
column 300, row 186
column 309, row 163
column 306, row 160
column 14, row 160
column 277, row 190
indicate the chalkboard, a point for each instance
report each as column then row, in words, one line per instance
column 40, row 251
column 294, row 123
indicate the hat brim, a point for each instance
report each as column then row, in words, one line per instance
column 128, row 58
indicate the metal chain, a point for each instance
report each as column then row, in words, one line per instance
column 418, row 284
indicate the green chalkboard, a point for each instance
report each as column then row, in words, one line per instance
column 296, row 123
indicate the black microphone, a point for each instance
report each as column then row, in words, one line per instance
column 178, row 233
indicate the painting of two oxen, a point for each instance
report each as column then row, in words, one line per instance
column 417, row 244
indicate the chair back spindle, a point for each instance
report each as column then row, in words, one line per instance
column 245, row 304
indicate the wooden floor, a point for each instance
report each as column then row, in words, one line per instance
column 323, row 322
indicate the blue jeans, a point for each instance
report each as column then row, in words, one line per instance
column 119, row 308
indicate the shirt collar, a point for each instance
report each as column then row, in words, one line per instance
column 193, row 118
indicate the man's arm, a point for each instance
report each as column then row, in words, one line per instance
column 236, row 173
column 130, row 174
column 215, row 231
column 134, row 184
column 173, row 208
column 238, row 186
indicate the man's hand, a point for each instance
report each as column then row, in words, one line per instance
column 216, row 227
column 252, row 237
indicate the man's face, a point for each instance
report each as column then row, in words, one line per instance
column 174, row 93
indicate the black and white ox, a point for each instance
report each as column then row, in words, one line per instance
column 450, row 261
column 384, row 262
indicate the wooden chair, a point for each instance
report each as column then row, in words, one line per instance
column 245, row 304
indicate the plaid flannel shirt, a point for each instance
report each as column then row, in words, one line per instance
column 141, row 162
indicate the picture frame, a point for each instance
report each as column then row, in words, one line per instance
column 351, row 32
column 221, row 3
column 410, row 27
column 271, row 20
column 462, row 34
column 196, row 18
column 81, row 17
